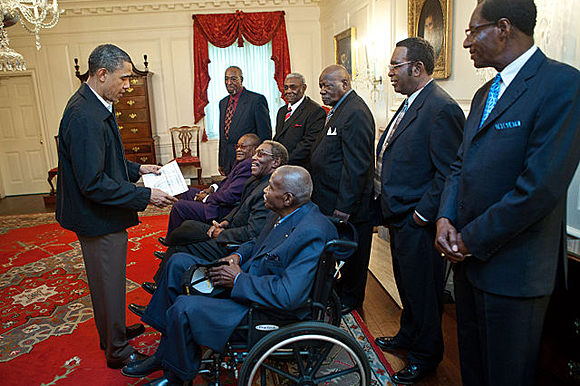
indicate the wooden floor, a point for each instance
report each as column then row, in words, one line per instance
column 380, row 312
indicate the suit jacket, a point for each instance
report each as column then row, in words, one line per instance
column 229, row 190
column 251, row 116
column 247, row 219
column 507, row 191
column 342, row 162
column 95, row 193
column 278, row 271
column 419, row 154
column 300, row 131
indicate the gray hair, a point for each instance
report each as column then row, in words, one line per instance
column 278, row 151
column 252, row 138
column 296, row 180
column 107, row 56
column 296, row 75
column 236, row 68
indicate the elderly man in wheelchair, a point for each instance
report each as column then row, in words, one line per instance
column 274, row 272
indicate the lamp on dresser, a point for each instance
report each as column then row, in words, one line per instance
column 134, row 115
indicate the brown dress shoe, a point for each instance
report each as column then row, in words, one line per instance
column 120, row 363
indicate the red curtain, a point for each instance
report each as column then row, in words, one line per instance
column 222, row 30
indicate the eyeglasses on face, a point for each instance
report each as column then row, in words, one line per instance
column 242, row 146
column 473, row 31
column 261, row 152
column 392, row 67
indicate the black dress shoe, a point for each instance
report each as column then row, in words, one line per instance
column 149, row 286
column 142, row 368
column 159, row 254
column 346, row 309
column 136, row 309
column 389, row 343
column 131, row 332
column 411, row 374
column 163, row 241
column 119, row 363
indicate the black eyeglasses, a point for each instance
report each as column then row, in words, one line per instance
column 242, row 147
column 473, row 31
column 391, row 67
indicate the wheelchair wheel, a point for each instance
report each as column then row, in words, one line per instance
column 333, row 310
column 321, row 354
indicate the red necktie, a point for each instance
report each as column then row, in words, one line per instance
column 229, row 115
column 288, row 113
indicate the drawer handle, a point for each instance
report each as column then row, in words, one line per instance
column 136, row 149
column 144, row 159
column 132, row 115
column 118, row 114
column 134, row 81
column 120, row 127
column 134, row 130
column 130, row 89
column 131, row 102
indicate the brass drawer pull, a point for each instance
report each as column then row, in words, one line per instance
column 131, row 102
column 118, row 113
column 144, row 159
column 132, row 115
column 120, row 127
column 134, row 81
column 136, row 149
column 130, row 89
column 134, row 130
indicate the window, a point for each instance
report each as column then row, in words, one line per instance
column 258, row 71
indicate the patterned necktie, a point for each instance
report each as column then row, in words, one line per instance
column 229, row 115
column 328, row 116
column 288, row 113
column 491, row 98
column 379, row 167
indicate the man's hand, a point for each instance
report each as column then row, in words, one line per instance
column 161, row 199
column 202, row 194
column 340, row 215
column 217, row 228
column 146, row 169
column 224, row 275
column 448, row 242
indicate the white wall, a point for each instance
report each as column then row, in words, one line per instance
column 162, row 30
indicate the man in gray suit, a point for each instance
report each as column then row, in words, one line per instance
column 502, row 217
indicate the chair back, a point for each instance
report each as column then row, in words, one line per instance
column 181, row 141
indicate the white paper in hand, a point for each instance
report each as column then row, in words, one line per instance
column 170, row 180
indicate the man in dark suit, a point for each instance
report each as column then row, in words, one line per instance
column 217, row 200
column 96, row 198
column 241, row 112
column 275, row 270
column 298, row 123
column 413, row 159
column 243, row 223
column 342, row 171
column 502, row 217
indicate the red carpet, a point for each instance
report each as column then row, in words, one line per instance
column 47, row 334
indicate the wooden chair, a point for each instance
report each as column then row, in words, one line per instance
column 183, row 137
column 51, row 198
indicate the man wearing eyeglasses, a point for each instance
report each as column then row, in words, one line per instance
column 413, row 158
column 241, row 112
column 503, row 210
column 243, row 223
column 219, row 199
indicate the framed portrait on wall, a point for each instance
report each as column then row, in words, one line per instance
column 344, row 51
column 432, row 19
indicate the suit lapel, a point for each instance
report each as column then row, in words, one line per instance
column 290, row 122
column 384, row 135
column 515, row 90
column 242, row 105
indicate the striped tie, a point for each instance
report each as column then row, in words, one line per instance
column 491, row 98
column 288, row 113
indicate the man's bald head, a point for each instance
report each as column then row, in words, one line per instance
column 334, row 82
column 296, row 180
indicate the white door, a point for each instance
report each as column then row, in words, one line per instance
column 23, row 165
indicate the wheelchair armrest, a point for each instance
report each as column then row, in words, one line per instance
column 341, row 249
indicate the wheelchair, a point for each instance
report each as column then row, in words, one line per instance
column 274, row 348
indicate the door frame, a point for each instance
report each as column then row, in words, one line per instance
column 49, row 151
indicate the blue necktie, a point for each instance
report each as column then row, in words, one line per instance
column 491, row 98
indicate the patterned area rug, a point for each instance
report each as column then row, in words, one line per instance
column 47, row 336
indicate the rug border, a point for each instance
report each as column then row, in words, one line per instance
column 376, row 348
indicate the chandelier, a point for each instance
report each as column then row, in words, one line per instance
column 34, row 15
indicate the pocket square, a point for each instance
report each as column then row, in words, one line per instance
column 507, row 125
column 331, row 131
column 297, row 125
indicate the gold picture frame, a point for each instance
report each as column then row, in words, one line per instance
column 432, row 20
column 344, row 50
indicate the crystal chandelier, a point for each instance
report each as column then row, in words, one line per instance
column 34, row 15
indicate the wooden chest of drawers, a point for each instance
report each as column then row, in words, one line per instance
column 134, row 116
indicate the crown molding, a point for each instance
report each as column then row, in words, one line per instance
column 92, row 7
